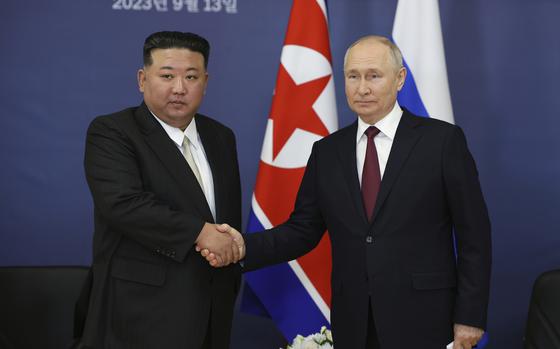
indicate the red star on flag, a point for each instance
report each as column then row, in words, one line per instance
column 292, row 108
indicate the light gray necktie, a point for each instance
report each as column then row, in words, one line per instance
column 188, row 156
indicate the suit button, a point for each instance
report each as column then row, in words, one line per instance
column 369, row 239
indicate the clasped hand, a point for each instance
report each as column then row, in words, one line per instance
column 220, row 244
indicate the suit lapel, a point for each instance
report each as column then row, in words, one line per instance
column 406, row 138
column 214, row 149
column 347, row 155
column 172, row 160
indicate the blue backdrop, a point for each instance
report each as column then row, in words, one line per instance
column 64, row 62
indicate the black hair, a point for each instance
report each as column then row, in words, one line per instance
column 173, row 39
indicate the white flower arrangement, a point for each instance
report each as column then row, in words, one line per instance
column 321, row 340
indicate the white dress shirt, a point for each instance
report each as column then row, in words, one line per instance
column 383, row 140
column 198, row 154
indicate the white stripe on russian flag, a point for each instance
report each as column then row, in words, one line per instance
column 417, row 32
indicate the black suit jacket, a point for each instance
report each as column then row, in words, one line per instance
column 150, row 288
column 404, row 260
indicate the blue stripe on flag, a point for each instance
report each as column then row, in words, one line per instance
column 250, row 302
column 409, row 97
column 254, row 224
column 280, row 291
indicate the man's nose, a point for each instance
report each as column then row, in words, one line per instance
column 363, row 88
column 179, row 86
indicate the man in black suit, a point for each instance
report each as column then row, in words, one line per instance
column 397, row 194
column 160, row 176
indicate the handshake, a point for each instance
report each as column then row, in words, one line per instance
column 220, row 244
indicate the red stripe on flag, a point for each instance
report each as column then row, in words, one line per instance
column 276, row 191
column 317, row 265
column 308, row 27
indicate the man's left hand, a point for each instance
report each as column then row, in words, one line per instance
column 466, row 337
column 214, row 258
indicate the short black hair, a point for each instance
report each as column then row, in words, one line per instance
column 173, row 39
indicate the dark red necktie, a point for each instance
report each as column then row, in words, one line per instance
column 371, row 176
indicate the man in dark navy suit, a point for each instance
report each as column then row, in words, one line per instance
column 397, row 193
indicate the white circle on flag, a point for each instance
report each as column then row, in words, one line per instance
column 303, row 65
column 295, row 152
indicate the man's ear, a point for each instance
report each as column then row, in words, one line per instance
column 141, row 76
column 206, row 82
column 401, row 77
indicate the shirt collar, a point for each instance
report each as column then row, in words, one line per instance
column 177, row 135
column 387, row 125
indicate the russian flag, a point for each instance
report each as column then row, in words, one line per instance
column 296, row 295
column 417, row 32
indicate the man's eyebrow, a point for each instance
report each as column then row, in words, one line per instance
column 354, row 70
column 168, row 67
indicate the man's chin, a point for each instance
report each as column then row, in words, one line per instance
column 364, row 110
column 177, row 108
column 176, row 119
column 179, row 113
